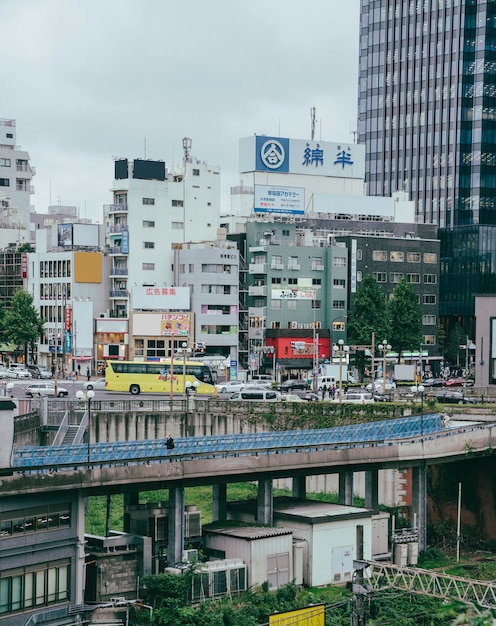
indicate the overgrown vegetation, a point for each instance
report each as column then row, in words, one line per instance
column 170, row 596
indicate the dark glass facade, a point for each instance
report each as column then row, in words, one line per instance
column 468, row 268
column 427, row 105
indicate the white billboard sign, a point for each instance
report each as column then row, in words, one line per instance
column 260, row 153
column 160, row 298
column 293, row 294
column 272, row 199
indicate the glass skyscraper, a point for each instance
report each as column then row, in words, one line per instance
column 427, row 116
column 427, row 105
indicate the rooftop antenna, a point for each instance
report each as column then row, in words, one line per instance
column 353, row 131
column 312, row 123
column 145, row 147
column 187, row 149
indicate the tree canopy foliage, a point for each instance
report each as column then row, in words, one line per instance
column 399, row 321
column 405, row 316
column 22, row 324
column 368, row 313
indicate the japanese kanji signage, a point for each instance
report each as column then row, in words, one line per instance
column 160, row 298
column 279, row 200
column 299, row 156
column 175, row 324
column 293, row 294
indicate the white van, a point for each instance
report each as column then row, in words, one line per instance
column 265, row 379
column 328, row 381
column 255, row 395
column 356, row 397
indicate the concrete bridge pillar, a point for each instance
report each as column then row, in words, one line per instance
column 345, row 495
column 419, row 502
column 219, row 502
column 372, row 489
column 300, row 487
column 175, row 539
column 265, row 503
column 130, row 499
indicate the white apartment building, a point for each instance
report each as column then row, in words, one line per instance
column 70, row 289
column 211, row 271
column 16, row 175
column 153, row 209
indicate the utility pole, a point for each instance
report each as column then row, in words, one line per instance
column 373, row 361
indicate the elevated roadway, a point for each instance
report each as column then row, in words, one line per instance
column 122, row 466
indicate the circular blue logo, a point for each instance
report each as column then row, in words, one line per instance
column 272, row 154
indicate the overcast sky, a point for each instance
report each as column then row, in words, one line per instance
column 89, row 80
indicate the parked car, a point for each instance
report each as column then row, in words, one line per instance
column 309, row 396
column 380, row 397
column 255, row 394
column 230, row 386
column 18, row 372
column 265, row 379
column 39, row 371
column 379, row 385
column 434, row 382
column 45, row 389
column 448, row 396
column 290, row 397
column 99, row 383
column 356, row 397
column 293, row 383
column 456, row 381
column 3, row 371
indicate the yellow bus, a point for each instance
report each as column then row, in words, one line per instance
column 137, row 377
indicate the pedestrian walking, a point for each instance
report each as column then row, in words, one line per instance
column 324, row 391
column 169, row 442
column 88, row 373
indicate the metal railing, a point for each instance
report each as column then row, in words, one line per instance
column 432, row 583
column 46, row 458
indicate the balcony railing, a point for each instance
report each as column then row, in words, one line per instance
column 118, row 293
column 116, row 250
column 118, row 271
column 257, row 311
column 115, row 208
column 257, row 290
column 257, row 268
column 117, row 228
column 293, row 266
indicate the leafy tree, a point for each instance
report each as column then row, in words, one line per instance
column 453, row 350
column 442, row 340
column 405, row 316
column 22, row 323
column 25, row 247
column 368, row 313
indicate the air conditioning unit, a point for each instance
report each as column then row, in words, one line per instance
column 192, row 524
column 190, row 556
column 216, row 579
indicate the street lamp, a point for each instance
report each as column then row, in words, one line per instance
column 191, row 389
column 184, row 351
column 384, row 347
column 339, row 348
column 421, row 390
column 265, row 351
column 89, row 396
